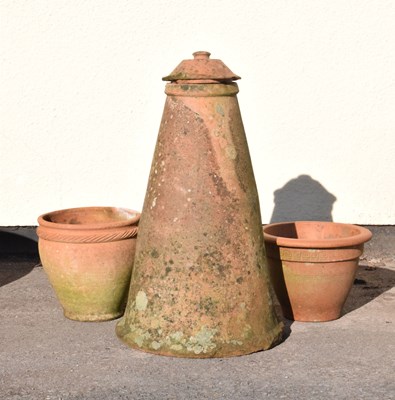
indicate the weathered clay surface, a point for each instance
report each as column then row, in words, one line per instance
column 87, row 254
column 200, row 285
column 313, row 266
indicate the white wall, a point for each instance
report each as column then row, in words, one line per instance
column 82, row 98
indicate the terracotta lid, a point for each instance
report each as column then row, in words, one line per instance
column 202, row 68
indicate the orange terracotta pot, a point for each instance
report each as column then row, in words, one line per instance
column 313, row 265
column 87, row 254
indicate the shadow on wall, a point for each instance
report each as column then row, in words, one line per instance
column 302, row 199
column 18, row 253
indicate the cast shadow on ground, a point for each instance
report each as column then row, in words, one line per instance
column 287, row 327
column 370, row 282
column 18, row 256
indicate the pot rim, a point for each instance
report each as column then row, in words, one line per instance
column 361, row 237
column 133, row 220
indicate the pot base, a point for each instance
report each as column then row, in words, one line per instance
column 91, row 317
column 219, row 350
column 293, row 315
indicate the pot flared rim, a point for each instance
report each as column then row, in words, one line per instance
column 131, row 218
column 361, row 236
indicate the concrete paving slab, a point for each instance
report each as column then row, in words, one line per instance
column 45, row 356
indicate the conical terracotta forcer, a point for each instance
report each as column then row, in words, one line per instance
column 200, row 285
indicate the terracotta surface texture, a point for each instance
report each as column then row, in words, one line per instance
column 200, row 285
column 313, row 266
column 87, row 254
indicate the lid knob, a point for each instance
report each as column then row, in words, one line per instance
column 201, row 55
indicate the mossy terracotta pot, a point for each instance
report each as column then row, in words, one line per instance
column 87, row 254
column 313, row 265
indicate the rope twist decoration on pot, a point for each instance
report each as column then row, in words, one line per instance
column 84, row 236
